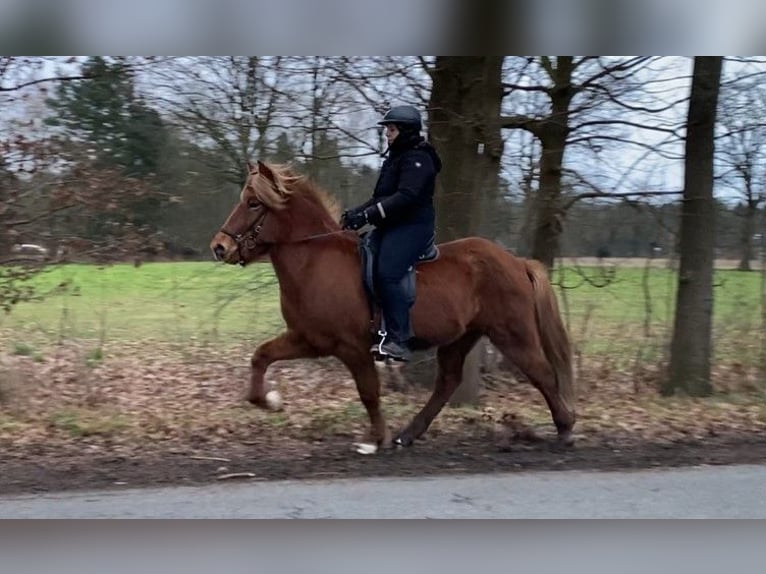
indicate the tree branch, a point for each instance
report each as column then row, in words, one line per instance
column 532, row 125
column 589, row 139
column 43, row 80
column 598, row 194
column 513, row 87
column 611, row 70
column 625, row 123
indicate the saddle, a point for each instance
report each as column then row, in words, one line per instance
column 367, row 254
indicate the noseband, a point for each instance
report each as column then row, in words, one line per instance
column 250, row 237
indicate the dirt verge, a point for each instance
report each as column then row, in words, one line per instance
column 73, row 421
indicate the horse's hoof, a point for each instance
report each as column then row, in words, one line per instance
column 274, row 401
column 271, row 401
column 403, row 440
column 365, row 448
column 259, row 402
column 566, row 438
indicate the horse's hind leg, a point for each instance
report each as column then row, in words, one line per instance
column 529, row 358
column 449, row 374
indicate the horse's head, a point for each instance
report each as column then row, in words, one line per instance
column 250, row 230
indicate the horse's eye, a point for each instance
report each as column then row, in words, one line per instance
column 253, row 204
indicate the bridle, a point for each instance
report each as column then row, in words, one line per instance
column 250, row 237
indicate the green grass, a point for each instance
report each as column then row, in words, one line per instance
column 613, row 314
column 82, row 423
column 23, row 349
column 623, row 300
column 176, row 302
column 157, row 301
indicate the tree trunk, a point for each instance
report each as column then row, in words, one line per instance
column 524, row 233
column 746, row 236
column 553, row 137
column 547, row 226
column 464, row 126
column 464, row 113
column 691, row 344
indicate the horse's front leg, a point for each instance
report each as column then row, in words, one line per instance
column 288, row 345
column 365, row 375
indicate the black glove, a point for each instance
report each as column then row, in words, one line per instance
column 352, row 219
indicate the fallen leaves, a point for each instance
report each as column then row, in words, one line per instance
column 144, row 398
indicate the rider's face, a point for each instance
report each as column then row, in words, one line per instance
column 391, row 132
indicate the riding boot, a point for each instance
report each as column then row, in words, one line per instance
column 396, row 314
column 389, row 349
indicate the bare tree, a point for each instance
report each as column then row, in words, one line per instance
column 463, row 125
column 588, row 103
column 690, row 351
column 741, row 155
column 242, row 107
column 224, row 103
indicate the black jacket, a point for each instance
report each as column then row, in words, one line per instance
column 405, row 188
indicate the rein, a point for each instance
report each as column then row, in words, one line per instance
column 250, row 237
column 318, row 236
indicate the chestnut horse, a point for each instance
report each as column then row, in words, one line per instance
column 473, row 288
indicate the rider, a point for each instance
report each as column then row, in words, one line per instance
column 402, row 211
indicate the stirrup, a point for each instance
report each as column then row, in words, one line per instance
column 382, row 354
column 377, row 348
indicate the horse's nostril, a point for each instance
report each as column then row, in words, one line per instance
column 219, row 251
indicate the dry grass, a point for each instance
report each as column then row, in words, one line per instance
column 143, row 399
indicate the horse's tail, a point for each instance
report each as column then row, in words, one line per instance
column 555, row 340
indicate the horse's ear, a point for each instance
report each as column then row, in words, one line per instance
column 265, row 170
column 250, row 168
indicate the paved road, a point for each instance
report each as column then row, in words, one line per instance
column 702, row 492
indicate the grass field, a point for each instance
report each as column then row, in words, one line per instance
column 622, row 308
column 167, row 302
column 610, row 309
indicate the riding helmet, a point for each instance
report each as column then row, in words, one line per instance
column 407, row 116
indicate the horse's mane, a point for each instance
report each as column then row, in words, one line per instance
column 289, row 182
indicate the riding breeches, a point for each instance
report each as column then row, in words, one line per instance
column 397, row 249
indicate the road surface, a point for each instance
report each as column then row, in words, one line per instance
column 700, row 492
